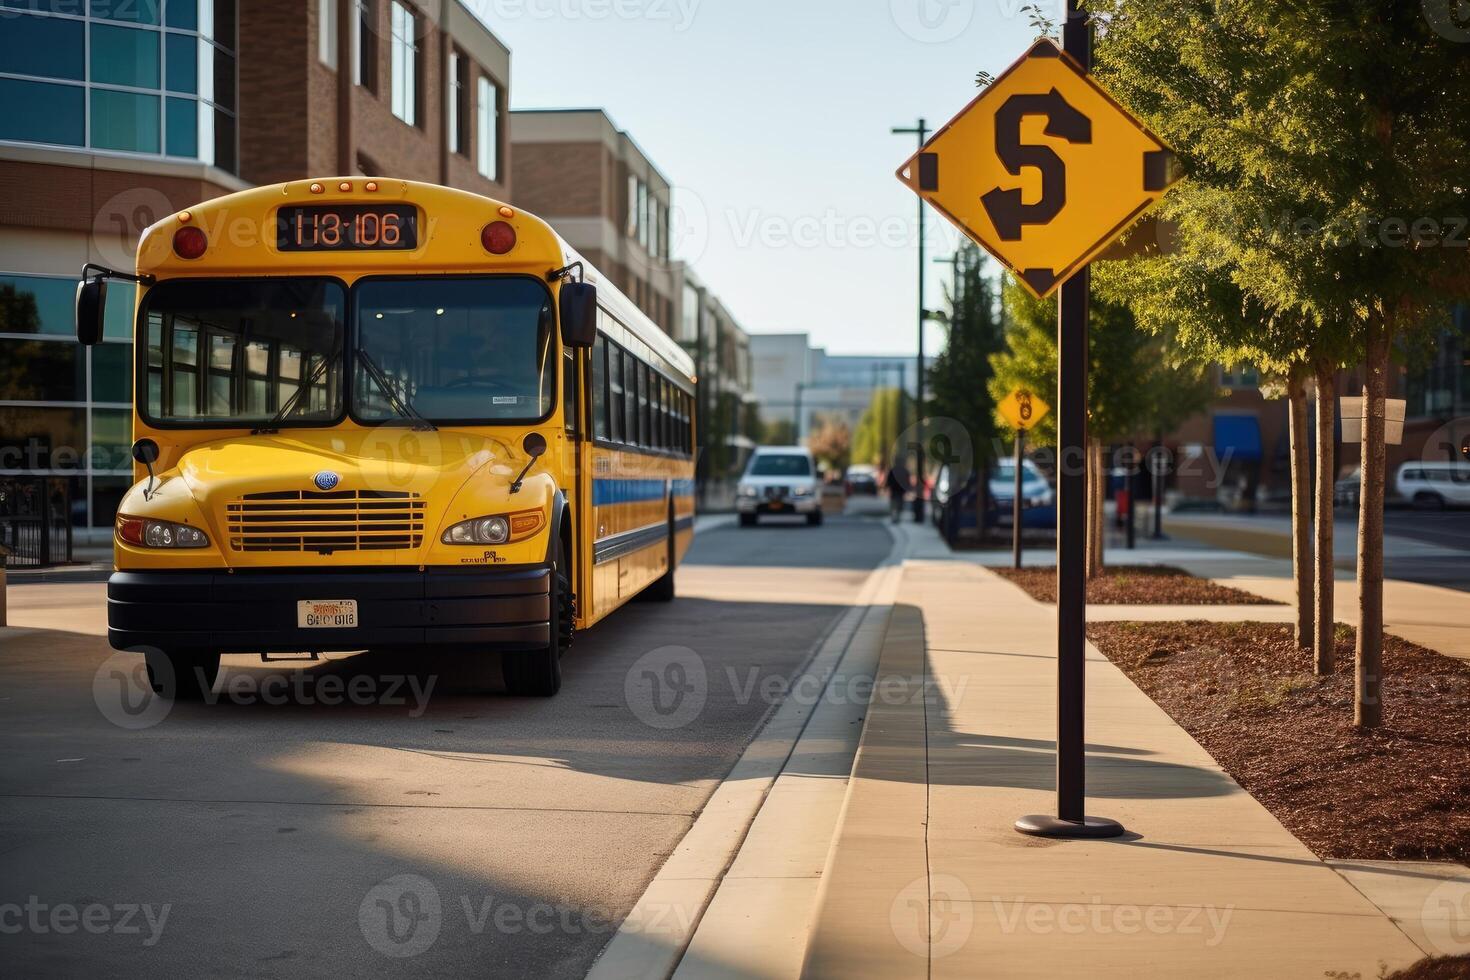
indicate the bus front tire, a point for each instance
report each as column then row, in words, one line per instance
column 182, row 675
column 537, row 673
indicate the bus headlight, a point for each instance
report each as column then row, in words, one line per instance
column 496, row 530
column 160, row 534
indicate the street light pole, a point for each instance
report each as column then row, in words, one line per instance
column 922, row 132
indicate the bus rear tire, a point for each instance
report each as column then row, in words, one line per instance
column 182, row 675
column 537, row 673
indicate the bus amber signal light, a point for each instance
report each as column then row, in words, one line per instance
column 190, row 243
column 498, row 238
column 345, row 187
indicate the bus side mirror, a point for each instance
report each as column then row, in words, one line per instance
column 578, row 315
column 91, row 303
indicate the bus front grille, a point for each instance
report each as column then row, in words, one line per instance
column 305, row 521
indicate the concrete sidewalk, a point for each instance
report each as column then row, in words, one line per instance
column 926, row 876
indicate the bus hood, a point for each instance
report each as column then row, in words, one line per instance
column 362, row 460
column 388, row 464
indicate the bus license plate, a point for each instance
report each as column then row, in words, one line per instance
column 333, row 614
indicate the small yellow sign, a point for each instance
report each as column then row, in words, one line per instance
column 1044, row 169
column 1023, row 410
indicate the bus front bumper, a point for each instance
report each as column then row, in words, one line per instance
column 256, row 611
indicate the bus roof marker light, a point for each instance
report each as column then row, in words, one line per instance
column 506, row 211
column 317, row 188
column 498, row 237
column 345, row 187
column 371, row 187
column 190, row 243
column 185, row 217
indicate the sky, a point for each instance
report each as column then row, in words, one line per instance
column 772, row 120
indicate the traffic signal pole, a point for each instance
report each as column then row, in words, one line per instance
column 1070, row 819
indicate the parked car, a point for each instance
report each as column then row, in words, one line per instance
column 1038, row 500
column 862, row 480
column 780, row 480
column 1435, row 486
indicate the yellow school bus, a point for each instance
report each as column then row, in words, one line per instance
column 375, row 414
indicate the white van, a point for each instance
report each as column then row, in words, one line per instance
column 780, row 480
column 1435, row 486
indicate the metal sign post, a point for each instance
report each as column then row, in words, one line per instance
column 1046, row 201
column 1024, row 411
column 1071, row 819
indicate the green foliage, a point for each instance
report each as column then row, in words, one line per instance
column 878, row 432
column 1321, row 138
column 959, row 381
column 1136, row 383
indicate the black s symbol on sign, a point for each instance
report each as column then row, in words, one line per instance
column 1005, row 207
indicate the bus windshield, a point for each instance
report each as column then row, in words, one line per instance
column 231, row 352
column 455, row 350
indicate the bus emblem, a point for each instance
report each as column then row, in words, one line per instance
column 327, row 480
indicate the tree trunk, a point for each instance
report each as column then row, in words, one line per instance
column 1368, row 706
column 1325, row 642
column 1095, row 516
column 1301, row 512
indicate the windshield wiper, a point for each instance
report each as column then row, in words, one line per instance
column 273, row 426
column 402, row 405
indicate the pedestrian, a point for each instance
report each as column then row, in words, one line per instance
column 896, row 482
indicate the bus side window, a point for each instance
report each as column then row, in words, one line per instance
column 599, row 389
column 570, row 387
column 630, row 399
column 616, row 393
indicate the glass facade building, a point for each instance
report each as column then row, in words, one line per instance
column 150, row 77
column 65, row 410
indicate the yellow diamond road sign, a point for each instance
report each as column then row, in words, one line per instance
column 1023, row 409
column 1044, row 169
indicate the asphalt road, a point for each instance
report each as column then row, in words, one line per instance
column 1445, row 529
column 374, row 816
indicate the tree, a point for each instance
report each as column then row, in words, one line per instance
column 1327, row 140
column 831, row 444
column 881, row 425
column 778, row 432
column 959, row 381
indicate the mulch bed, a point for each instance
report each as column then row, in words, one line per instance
column 1248, row 695
column 1138, row 585
column 1443, row 968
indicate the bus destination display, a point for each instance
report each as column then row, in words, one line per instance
column 347, row 228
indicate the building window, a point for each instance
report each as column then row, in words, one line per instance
column 365, row 45
column 112, row 75
column 404, row 64
column 326, row 33
column 64, row 409
column 488, row 136
column 459, row 103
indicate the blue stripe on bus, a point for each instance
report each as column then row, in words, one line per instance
column 607, row 492
column 682, row 488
